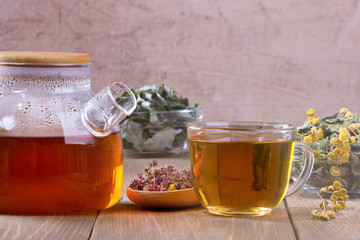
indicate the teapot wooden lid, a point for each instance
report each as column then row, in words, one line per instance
column 44, row 57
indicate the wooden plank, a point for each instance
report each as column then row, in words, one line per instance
column 47, row 227
column 346, row 224
column 129, row 221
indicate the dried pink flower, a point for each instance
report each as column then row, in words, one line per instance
column 160, row 178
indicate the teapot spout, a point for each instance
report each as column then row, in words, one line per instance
column 107, row 108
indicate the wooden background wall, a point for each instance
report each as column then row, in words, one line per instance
column 239, row 59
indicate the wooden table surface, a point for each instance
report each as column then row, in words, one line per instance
column 125, row 220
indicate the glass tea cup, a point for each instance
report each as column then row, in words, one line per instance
column 244, row 168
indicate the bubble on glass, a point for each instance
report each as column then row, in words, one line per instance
column 37, row 98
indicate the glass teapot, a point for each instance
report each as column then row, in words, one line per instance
column 60, row 145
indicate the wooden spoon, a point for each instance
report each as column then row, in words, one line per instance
column 163, row 199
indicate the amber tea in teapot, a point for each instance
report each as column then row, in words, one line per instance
column 61, row 149
column 69, row 177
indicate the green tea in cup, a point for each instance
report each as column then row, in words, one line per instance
column 244, row 167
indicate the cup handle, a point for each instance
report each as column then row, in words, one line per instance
column 307, row 169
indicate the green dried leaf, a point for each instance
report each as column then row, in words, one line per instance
column 331, row 118
column 142, row 130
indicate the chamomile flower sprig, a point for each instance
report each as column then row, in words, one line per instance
column 315, row 134
column 346, row 113
column 311, row 119
column 340, row 150
column 328, row 209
